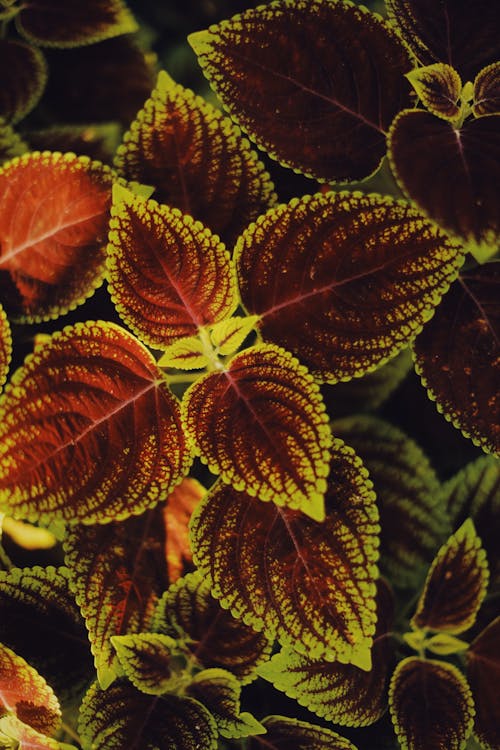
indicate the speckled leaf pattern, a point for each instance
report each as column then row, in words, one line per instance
column 23, row 737
column 146, row 659
column 431, row 705
column 55, row 23
column 261, row 424
column 483, row 674
column 313, row 584
column 177, row 512
column 458, row 356
column 438, row 87
column 293, row 734
column 122, row 718
column 428, row 155
column 5, row 346
column 413, row 519
column 53, row 220
column 219, row 691
column 486, row 97
column 456, row 584
column 118, row 573
column 11, row 143
column 344, row 280
column 59, row 650
column 332, row 69
column 209, row 634
column 168, row 274
column 196, row 159
column 23, row 79
column 106, row 442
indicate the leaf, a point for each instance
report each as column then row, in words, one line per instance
column 106, row 442
column 457, row 356
column 438, row 87
column 344, row 280
column 180, row 505
column 209, row 634
column 483, row 674
column 461, row 33
column 185, row 354
column 297, row 735
column 97, row 141
column 260, row 423
column 197, row 160
column 341, row 693
column 456, row 584
column 486, row 99
column 418, row 141
column 24, row 79
column 5, row 346
column 53, row 219
column 228, row 335
column 146, row 659
column 412, row 517
column 40, row 621
column 445, row 644
column 56, row 24
column 168, row 274
column 11, row 144
column 20, row 736
column 312, row 584
column 122, row 718
column 219, row 691
column 292, row 78
column 27, row 536
column 118, row 573
column 431, row 705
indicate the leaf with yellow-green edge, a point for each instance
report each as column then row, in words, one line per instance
column 455, row 586
column 293, row 62
column 341, row 693
column 438, row 87
column 23, row 79
column 11, row 143
column 148, row 661
column 89, row 429
column 209, row 635
column 413, row 518
column 431, row 705
column 228, row 335
column 168, row 274
column 123, row 718
column 187, row 353
column 5, row 346
column 292, row 734
column 197, row 159
column 457, row 356
column 219, row 691
column 53, row 222
column 344, row 280
column 486, row 96
column 261, row 424
column 15, row 735
column 312, row 584
column 51, row 23
column 483, row 674
column 41, row 622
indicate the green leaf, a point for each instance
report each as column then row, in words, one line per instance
column 23, row 80
column 282, row 732
column 483, row 674
column 146, row 659
column 185, row 354
column 445, row 644
column 11, row 144
column 197, row 160
column 486, row 96
column 208, row 634
column 261, row 424
column 344, row 280
column 228, row 335
column 310, row 583
column 438, row 87
column 5, row 346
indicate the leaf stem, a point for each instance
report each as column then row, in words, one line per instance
column 70, row 732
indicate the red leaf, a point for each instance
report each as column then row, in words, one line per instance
column 483, row 673
column 178, row 510
column 24, row 75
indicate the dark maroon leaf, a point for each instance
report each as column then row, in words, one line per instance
column 486, row 97
column 483, row 673
column 292, row 734
column 24, row 75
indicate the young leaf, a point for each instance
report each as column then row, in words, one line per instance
column 461, row 33
column 28, row 536
column 486, row 97
column 146, row 659
column 23, row 79
column 438, row 87
column 122, row 718
column 483, row 674
column 197, row 160
column 261, row 425
column 219, row 691
column 457, row 356
column 344, row 280
column 456, row 584
column 56, row 24
column 313, row 584
column 293, row 734
column 180, row 505
column 413, row 520
column 228, row 335
column 418, row 142
column 53, row 218
column 445, row 644
column 185, row 354
column 332, row 69
column 20, row 736
column 5, row 346
column 168, row 274
column 106, row 442
column 11, row 144
column 208, row 633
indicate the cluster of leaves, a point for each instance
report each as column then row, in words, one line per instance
column 236, row 314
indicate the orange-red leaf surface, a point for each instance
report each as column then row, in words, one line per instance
column 53, row 223
column 89, row 429
column 180, row 505
column 168, row 274
column 262, row 426
column 483, row 674
column 313, row 584
column 5, row 346
column 24, row 75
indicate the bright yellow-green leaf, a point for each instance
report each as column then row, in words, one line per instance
column 444, row 644
column 185, row 354
column 228, row 335
column 28, row 536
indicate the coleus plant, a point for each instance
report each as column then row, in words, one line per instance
column 235, row 311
